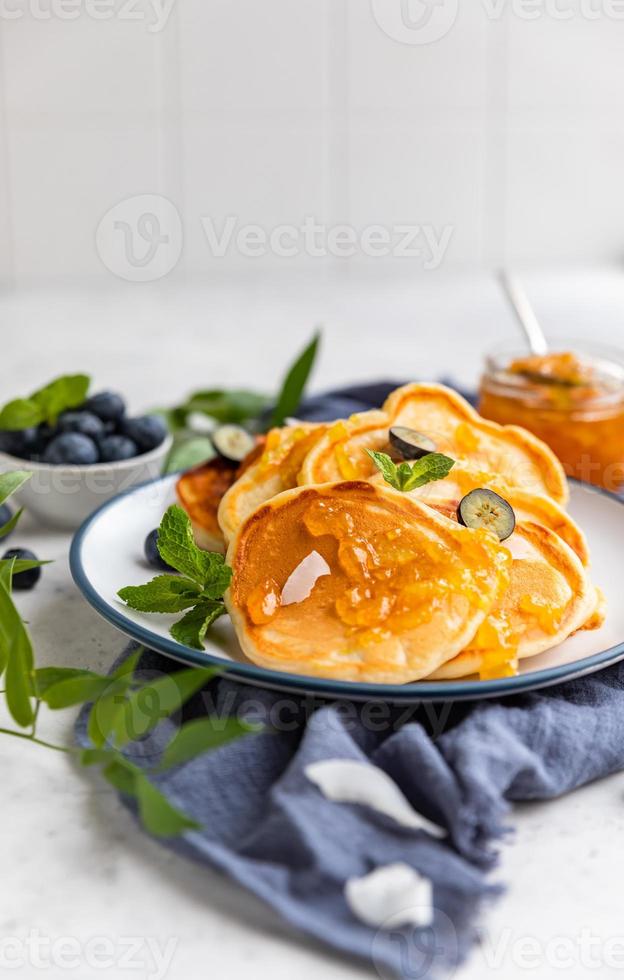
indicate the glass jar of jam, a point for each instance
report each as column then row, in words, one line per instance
column 573, row 399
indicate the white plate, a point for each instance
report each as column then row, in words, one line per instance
column 107, row 554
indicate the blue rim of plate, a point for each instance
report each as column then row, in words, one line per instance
column 419, row 691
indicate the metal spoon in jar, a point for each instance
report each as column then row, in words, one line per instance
column 524, row 312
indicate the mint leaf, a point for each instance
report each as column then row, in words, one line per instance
column 47, row 677
column 68, row 391
column 159, row 816
column 427, row 469
column 386, row 467
column 203, row 735
column 46, row 404
column 189, row 452
column 191, row 629
column 11, row 524
column 16, row 652
column 177, row 547
column 21, row 413
column 142, row 710
column 409, row 476
column 294, row 384
column 10, row 482
column 164, row 594
column 65, row 692
column 236, row 405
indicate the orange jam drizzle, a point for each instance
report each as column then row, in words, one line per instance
column 548, row 617
column 392, row 585
column 264, row 601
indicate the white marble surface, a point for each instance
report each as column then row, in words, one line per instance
column 75, row 865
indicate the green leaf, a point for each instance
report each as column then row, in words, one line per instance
column 6, row 576
column 164, row 594
column 126, row 669
column 121, row 775
column 75, row 690
column 10, row 482
column 177, row 547
column 386, row 467
column 47, row 677
column 203, row 735
column 409, row 476
column 104, row 711
column 24, row 564
column 68, row 391
column 427, row 469
column 235, row 405
column 294, row 383
column 188, row 453
column 142, row 710
column 17, row 651
column 191, row 629
column 21, row 413
column 159, row 816
column 11, row 524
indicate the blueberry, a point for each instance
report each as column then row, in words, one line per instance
column 86, row 423
column 152, row 553
column 22, row 443
column 71, row 448
column 115, row 448
column 148, row 431
column 5, row 515
column 108, row 406
column 23, row 581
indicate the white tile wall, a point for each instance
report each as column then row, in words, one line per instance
column 508, row 131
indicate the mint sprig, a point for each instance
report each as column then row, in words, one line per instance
column 199, row 588
column 124, row 707
column 410, row 476
column 45, row 404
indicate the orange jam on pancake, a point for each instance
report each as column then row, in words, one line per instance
column 574, row 402
column 390, row 580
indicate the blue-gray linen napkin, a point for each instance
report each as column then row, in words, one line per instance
column 267, row 826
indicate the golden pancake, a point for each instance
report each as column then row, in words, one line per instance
column 277, row 469
column 357, row 582
column 549, row 597
column 445, row 495
column 519, row 458
column 201, row 490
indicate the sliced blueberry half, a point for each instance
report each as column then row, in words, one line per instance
column 232, row 442
column 409, row 443
column 484, row 508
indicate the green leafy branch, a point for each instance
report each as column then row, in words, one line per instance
column 410, row 476
column 123, row 707
column 199, row 587
column 46, row 404
column 238, row 406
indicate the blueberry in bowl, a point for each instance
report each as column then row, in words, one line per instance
column 80, row 450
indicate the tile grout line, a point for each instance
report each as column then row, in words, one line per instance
column 171, row 118
column 5, row 189
column 495, row 165
column 335, row 100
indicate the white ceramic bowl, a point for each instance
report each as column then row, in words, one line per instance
column 64, row 496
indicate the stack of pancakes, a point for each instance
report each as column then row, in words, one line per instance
column 336, row 574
